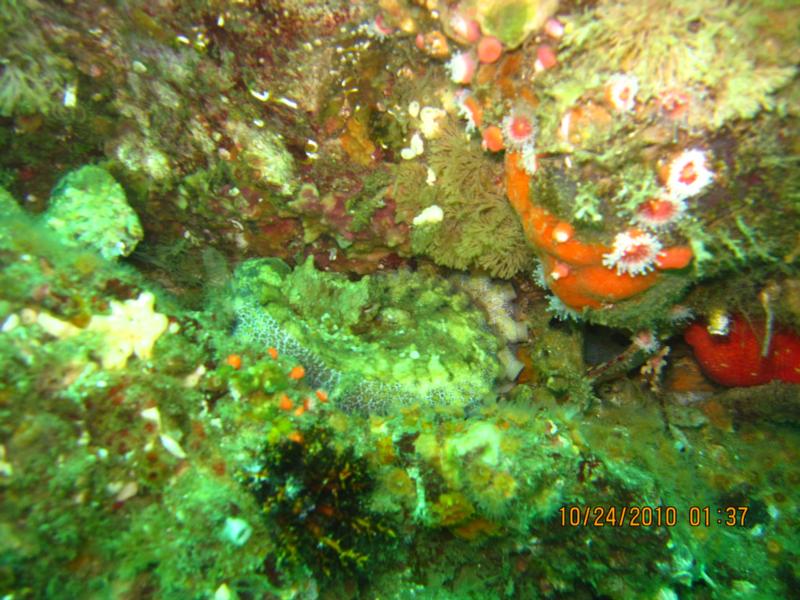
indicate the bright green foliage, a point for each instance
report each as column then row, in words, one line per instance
column 587, row 203
column 383, row 341
column 88, row 209
column 23, row 236
column 8, row 206
column 637, row 184
column 195, row 508
column 24, row 90
column 479, row 229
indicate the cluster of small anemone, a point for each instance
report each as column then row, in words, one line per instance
column 517, row 130
column 635, row 251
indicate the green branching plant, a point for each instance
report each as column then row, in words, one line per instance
column 479, row 228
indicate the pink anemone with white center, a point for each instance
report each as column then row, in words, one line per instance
column 688, row 174
column 659, row 213
column 633, row 253
column 519, row 128
column 621, row 91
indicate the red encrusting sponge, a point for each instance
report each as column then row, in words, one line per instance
column 735, row 360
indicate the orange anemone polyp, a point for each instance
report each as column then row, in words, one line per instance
column 493, row 139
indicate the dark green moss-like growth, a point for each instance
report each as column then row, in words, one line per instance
column 33, row 75
column 733, row 228
column 315, row 496
column 479, row 228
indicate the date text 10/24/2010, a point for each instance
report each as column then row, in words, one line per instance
column 652, row 516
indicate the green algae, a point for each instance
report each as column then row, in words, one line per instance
column 88, row 208
column 479, row 229
column 691, row 46
column 512, row 21
column 381, row 342
column 447, row 482
column 34, row 76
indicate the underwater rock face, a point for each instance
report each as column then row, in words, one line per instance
column 386, row 340
column 405, row 416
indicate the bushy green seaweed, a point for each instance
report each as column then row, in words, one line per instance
column 479, row 228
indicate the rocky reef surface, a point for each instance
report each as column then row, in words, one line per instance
column 399, row 299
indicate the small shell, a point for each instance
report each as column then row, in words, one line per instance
column 415, row 148
column 431, row 215
column 152, row 414
column 171, row 446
